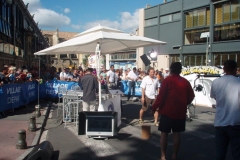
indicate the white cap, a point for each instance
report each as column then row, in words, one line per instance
column 166, row 69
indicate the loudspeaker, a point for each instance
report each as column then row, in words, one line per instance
column 145, row 59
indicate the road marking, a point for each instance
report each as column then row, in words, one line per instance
column 99, row 147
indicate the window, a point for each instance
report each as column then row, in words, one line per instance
column 227, row 11
column 194, row 60
column 174, row 58
column 196, row 18
column 176, row 16
column 220, row 58
column 227, row 32
column 170, row 17
column 150, row 22
column 235, row 10
column 193, row 36
column 123, row 56
column 165, row 19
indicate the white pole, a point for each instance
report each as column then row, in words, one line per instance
column 207, row 52
column 97, row 54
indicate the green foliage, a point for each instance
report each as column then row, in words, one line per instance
column 85, row 61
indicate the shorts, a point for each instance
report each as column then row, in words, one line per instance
column 147, row 102
column 168, row 124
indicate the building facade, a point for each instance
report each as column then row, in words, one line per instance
column 20, row 36
column 63, row 60
column 197, row 33
column 122, row 59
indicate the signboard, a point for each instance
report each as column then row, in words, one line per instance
column 92, row 61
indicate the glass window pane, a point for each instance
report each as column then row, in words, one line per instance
column 232, row 57
column 226, row 12
column 224, row 58
column 176, row 16
column 208, row 17
column 1, row 25
column 186, row 60
column 238, row 59
column 192, row 60
column 235, row 9
column 227, row 32
column 198, row 60
column 218, row 14
column 201, row 17
column 189, row 19
column 217, row 59
column 150, row 22
column 167, row 18
column 195, row 18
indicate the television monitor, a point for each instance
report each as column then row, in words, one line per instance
column 100, row 124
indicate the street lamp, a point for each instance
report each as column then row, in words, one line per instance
column 206, row 35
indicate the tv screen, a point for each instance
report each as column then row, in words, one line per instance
column 99, row 124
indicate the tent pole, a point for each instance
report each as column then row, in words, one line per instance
column 39, row 79
column 97, row 54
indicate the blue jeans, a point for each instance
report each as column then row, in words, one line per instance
column 131, row 86
column 224, row 136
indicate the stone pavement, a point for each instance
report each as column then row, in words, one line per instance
column 197, row 141
column 11, row 123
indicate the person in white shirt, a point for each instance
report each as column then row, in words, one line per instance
column 226, row 91
column 166, row 74
column 63, row 75
column 149, row 87
column 111, row 78
column 132, row 78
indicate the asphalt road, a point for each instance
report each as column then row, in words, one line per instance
column 197, row 142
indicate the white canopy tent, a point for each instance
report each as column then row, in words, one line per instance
column 101, row 40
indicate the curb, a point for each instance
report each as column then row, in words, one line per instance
column 36, row 140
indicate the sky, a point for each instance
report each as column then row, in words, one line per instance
column 80, row 15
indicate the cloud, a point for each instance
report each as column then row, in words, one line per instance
column 67, row 10
column 127, row 22
column 47, row 18
column 76, row 27
column 50, row 19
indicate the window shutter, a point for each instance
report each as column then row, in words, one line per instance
column 218, row 14
column 208, row 17
column 226, row 12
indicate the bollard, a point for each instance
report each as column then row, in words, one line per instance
column 32, row 124
column 21, row 144
column 37, row 113
column 146, row 132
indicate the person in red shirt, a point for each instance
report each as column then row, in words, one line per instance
column 176, row 93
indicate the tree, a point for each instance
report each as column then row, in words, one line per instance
column 85, row 61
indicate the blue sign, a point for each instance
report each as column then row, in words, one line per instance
column 16, row 95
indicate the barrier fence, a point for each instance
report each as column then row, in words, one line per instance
column 16, row 95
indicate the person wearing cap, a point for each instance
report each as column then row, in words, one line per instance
column 175, row 94
column 132, row 78
column 166, row 74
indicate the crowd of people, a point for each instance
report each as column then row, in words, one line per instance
column 166, row 91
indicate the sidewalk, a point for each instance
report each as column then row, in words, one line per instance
column 11, row 124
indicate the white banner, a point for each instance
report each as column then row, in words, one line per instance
column 92, row 61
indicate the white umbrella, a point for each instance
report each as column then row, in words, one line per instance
column 101, row 40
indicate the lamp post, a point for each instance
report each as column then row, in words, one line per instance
column 206, row 35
